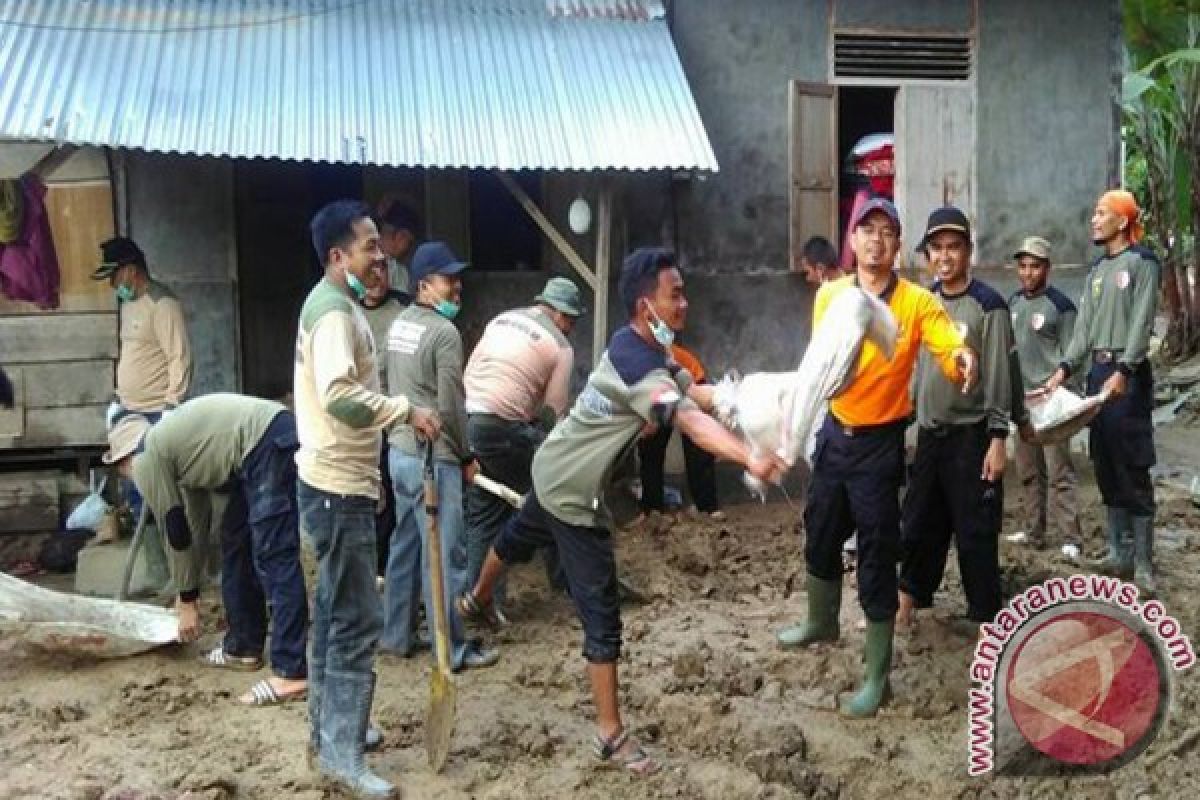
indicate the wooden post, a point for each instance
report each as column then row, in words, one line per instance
column 603, row 256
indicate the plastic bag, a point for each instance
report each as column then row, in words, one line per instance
column 1057, row 416
column 90, row 512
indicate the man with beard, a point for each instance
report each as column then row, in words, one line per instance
column 1112, row 339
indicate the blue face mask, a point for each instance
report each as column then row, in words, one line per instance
column 447, row 309
column 358, row 287
column 662, row 331
column 125, row 293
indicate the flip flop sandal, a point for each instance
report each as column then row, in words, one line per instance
column 635, row 760
column 217, row 657
column 264, row 694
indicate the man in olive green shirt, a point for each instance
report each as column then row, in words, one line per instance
column 1112, row 341
column 956, row 488
column 1043, row 319
column 244, row 446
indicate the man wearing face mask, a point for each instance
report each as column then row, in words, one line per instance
column 340, row 413
column 1111, row 341
column 956, row 489
column 634, row 386
column 154, row 363
column 425, row 362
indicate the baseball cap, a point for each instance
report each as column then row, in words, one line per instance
column 125, row 438
column 116, row 253
column 877, row 204
column 432, row 258
column 946, row 218
column 1034, row 246
column 562, row 295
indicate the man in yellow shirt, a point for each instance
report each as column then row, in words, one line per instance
column 858, row 464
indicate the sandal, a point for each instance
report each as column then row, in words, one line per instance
column 473, row 611
column 634, row 758
column 264, row 694
column 217, row 657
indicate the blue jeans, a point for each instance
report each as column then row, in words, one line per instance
column 347, row 614
column 260, row 551
column 408, row 558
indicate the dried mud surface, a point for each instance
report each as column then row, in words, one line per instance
column 705, row 689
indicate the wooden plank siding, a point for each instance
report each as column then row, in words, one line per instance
column 63, row 360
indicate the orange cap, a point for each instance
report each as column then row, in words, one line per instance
column 1124, row 203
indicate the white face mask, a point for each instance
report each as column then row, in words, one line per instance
column 662, row 331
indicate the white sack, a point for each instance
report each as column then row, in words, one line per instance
column 781, row 412
column 1057, row 416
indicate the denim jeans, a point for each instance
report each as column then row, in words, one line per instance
column 408, row 559
column 347, row 614
column 260, row 548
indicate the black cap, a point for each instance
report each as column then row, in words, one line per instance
column 116, row 253
column 432, row 258
column 947, row 218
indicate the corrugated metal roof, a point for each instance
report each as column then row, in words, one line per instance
column 506, row 84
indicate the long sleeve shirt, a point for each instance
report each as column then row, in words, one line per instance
column 521, row 363
column 878, row 393
column 340, row 412
column 425, row 363
column 982, row 319
column 196, row 450
column 1042, row 327
column 1116, row 311
column 154, row 366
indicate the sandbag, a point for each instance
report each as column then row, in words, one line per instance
column 781, row 412
column 1057, row 416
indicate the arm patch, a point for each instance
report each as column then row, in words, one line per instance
column 178, row 533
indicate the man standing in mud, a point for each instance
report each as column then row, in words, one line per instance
column 634, row 386
column 858, row 463
column 1112, row 338
column 956, row 487
column 340, row 415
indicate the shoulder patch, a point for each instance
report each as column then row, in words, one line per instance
column 633, row 357
column 1060, row 300
column 987, row 297
column 323, row 299
column 1144, row 252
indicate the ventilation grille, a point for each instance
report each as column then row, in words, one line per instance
column 865, row 55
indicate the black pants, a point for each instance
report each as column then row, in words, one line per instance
column 587, row 559
column 700, row 465
column 505, row 451
column 1122, row 441
column 855, row 484
column 947, row 499
column 385, row 520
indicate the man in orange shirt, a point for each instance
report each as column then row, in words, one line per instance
column 858, row 463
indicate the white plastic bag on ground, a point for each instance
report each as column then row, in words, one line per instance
column 89, row 514
column 781, row 412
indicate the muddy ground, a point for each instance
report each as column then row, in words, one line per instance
column 705, row 688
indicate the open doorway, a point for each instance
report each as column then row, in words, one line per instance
column 866, row 117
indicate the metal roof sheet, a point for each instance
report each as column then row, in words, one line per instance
column 505, row 84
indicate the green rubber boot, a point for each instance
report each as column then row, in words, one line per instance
column 1118, row 560
column 1143, row 556
column 824, row 602
column 878, row 657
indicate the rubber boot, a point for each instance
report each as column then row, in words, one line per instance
column 1117, row 560
column 878, row 657
column 1143, row 555
column 824, row 603
column 345, row 710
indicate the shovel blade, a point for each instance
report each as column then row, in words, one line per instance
column 439, row 724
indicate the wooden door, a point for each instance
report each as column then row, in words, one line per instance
column 812, row 164
column 935, row 155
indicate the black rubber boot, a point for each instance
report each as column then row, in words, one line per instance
column 824, row 603
column 1118, row 560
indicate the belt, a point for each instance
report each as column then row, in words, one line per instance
column 1105, row 356
column 942, row 431
column 851, row 431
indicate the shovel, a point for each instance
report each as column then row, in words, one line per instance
column 443, row 694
